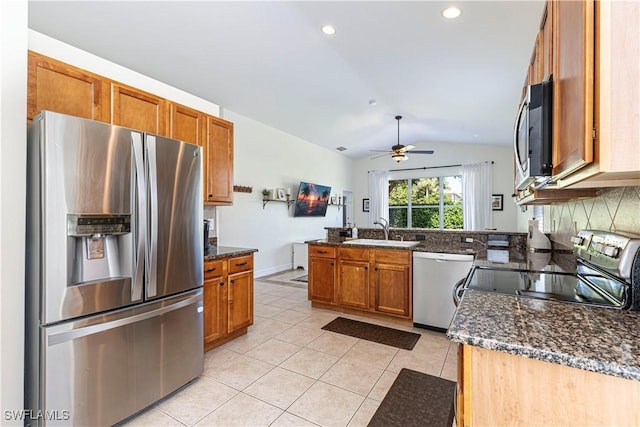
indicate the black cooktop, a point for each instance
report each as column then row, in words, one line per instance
column 585, row 287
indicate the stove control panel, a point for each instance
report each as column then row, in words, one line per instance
column 613, row 252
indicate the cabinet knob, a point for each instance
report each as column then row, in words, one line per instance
column 233, row 281
column 211, row 196
column 221, row 283
column 366, row 268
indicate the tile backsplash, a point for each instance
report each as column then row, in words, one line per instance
column 613, row 209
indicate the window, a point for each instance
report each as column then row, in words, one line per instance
column 434, row 202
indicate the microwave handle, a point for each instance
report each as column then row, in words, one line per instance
column 515, row 135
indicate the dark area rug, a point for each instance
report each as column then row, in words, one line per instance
column 367, row 331
column 304, row 278
column 416, row 399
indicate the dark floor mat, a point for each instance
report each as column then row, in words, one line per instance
column 416, row 399
column 375, row 333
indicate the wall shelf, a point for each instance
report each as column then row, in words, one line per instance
column 265, row 201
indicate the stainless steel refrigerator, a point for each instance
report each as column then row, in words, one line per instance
column 114, row 270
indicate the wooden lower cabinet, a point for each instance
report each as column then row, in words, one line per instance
column 374, row 282
column 501, row 389
column 228, row 299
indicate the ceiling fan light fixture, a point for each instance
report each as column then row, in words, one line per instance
column 399, row 157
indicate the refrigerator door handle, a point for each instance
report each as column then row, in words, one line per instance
column 141, row 216
column 152, row 249
column 60, row 337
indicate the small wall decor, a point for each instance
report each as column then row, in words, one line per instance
column 280, row 194
column 242, row 189
column 365, row 205
column 496, row 202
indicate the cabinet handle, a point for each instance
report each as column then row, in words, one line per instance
column 240, row 264
column 331, row 264
column 322, row 252
column 211, row 269
column 376, row 269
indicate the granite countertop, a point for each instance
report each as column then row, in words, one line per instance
column 595, row 339
column 216, row 252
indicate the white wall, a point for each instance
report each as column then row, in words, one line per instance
column 268, row 158
column 447, row 154
column 13, row 137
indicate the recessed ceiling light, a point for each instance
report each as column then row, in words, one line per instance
column 329, row 30
column 452, row 12
column 372, row 102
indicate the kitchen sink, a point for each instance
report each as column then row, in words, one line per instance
column 380, row 242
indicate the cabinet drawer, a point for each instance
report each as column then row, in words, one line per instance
column 322, row 251
column 392, row 256
column 355, row 254
column 241, row 263
column 212, row 269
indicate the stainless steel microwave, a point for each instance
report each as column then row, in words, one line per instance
column 533, row 136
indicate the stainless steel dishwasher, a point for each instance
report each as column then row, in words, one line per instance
column 434, row 274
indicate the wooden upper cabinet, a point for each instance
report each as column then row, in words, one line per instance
column 546, row 29
column 56, row 86
column 186, row 124
column 135, row 109
column 219, row 175
column 573, row 87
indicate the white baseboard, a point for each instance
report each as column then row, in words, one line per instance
column 271, row 270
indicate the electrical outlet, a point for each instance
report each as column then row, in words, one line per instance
column 420, row 237
column 466, row 239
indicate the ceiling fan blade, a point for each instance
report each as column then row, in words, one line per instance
column 422, row 152
column 408, row 147
column 378, row 156
column 381, row 151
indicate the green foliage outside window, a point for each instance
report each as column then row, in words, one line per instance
column 426, row 205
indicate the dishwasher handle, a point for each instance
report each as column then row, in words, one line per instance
column 458, row 290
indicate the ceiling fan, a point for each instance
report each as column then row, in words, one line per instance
column 399, row 151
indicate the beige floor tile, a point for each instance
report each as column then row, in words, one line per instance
column 242, row 410
column 318, row 320
column 333, row 343
column 452, row 355
column 264, row 310
column 270, row 328
column 290, row 420
column 327, row 405
column 299, row 335
column 299, row 295
column 279, row 387
column 373, row 354
column 264, row 298
column 304, row 307
column 309, row 362
column 450, row 372
column 383, row 385
column 197, row 401
column 216, row 358
column 364, row 414
column 241, row 372
column 416, row 362
column 353, row 376
column 152, row 417
column 246, row 342
column 291, row 316
column 284, row 303
column 273, row 351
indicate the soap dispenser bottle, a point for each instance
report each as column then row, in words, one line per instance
column 354, row 232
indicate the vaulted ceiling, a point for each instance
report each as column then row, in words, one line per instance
column 453, row 81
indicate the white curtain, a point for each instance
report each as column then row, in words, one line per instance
column 476, row 196
column 378, row 196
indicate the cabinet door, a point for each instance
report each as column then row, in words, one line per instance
column 392, row 284
column 240, row 301
column 186, row 124
column 60, row 87
column 135, row 109
column 322, row 279
column 219, row 178
column 573, row 87
column 354, row 283
column 215, row 309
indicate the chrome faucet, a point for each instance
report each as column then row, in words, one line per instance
column 385, row 227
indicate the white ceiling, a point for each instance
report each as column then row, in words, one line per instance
column 452, row 81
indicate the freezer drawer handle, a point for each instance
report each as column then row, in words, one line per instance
column 61, row 337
